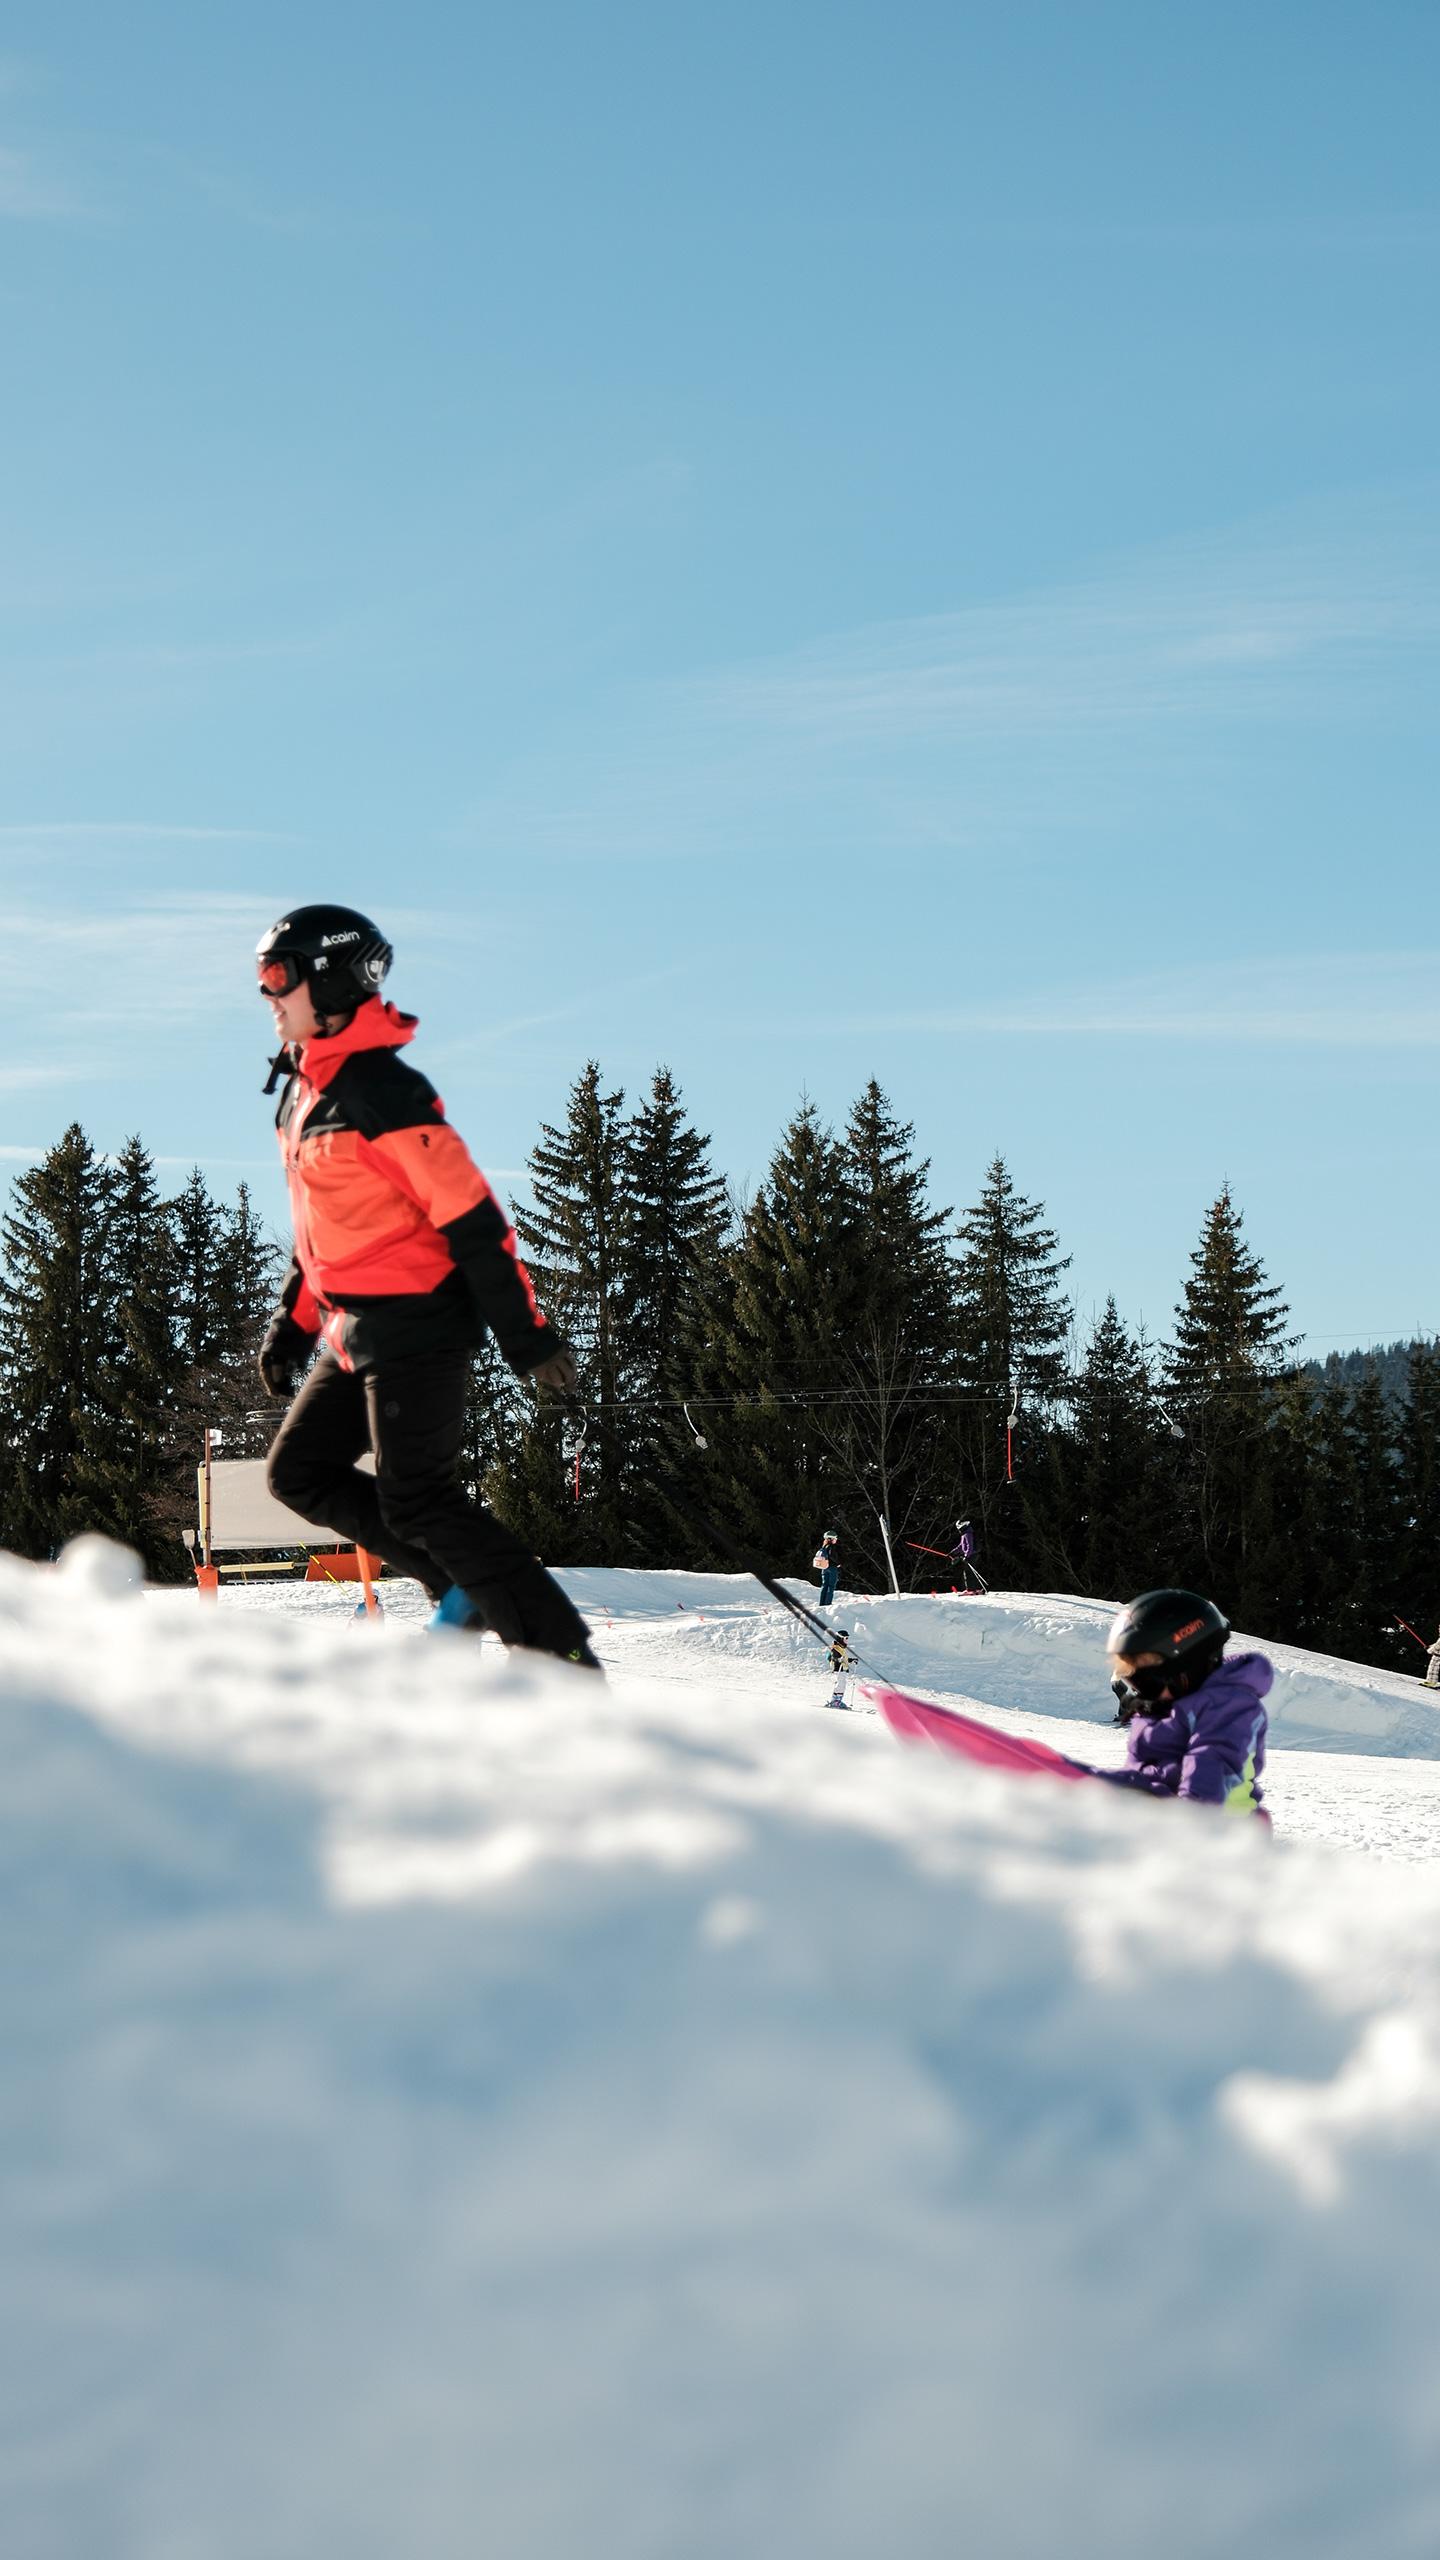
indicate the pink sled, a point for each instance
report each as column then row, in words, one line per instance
column 916, row 1721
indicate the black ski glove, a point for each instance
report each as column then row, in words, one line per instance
column 284, row 1356
column 558, row 1372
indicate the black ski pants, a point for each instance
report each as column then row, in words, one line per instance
column 414, row 1511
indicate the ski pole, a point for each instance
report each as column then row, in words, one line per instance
column 1409, row 1630
column 696, row 1518
column 946, row 1558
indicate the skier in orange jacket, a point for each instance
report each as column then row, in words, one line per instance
column 403, row 1260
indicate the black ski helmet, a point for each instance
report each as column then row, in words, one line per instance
column 339, row 953
column 1187, row 1632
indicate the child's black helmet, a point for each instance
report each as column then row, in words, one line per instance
column 1187, row 1632
column 1174, row 1624
column 341, row 955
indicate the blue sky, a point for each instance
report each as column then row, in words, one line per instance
column 797, row 543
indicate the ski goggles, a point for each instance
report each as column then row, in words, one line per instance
column 1144, row 1686
column 281, row 973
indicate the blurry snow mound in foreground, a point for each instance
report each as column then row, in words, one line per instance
column 1041, row 1653
column 497, row 2118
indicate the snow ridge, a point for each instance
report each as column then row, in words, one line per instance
column 458, row 2108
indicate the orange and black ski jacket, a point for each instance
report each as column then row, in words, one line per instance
column 400, row 1244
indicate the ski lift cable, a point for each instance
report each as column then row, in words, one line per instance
column 1063, row 1392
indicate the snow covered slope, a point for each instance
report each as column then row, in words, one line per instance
column 1024, row 1651
column 452, row 2109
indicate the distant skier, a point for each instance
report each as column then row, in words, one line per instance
column 962, row 1557
column 842, row 1663
column 1432, row 1668
column 403, row 1261
column 826, row 1562
column 1196, row 1720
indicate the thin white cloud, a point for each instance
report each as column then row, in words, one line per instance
column 589, row 1004
column 1358, row 1000
column 1358, row 231
column 21, row 1079
column 176, row 959
column 1045, row 708
column 85, row 830
column 1198, row 630
column 168, row 960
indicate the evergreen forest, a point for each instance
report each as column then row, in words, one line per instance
column 129, row 1323
column 839, row 1350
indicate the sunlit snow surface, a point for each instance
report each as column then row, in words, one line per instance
column 454, row 2110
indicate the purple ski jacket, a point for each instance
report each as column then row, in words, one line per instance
column 1209, row 1746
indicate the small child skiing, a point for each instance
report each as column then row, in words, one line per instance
column 962, row 1557
column 842, row 1663
column 826, row 1562
column 1196, row 1718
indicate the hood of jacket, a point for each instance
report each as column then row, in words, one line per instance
column 374, row 1025
column 1240, row 1675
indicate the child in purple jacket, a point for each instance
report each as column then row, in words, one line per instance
column 1196, row 1719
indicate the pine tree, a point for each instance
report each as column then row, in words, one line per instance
column 886, row 1429
column 248, row 1272
column 225, row 1275
column 1416, row 1563
column 672, row 1229
column 673, row 1221
column 129, row 1409
column 199, row 1305
column 1330, row 1524
column 573, row 1230
column 56, row 1311
column 794, row 1287
column 1119, row 1444
column 1371, row 1634
column 1012, row 1328
column 1228, row 1355
column 573, row 1234
column 911, row 1277
column 1301, row 1506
